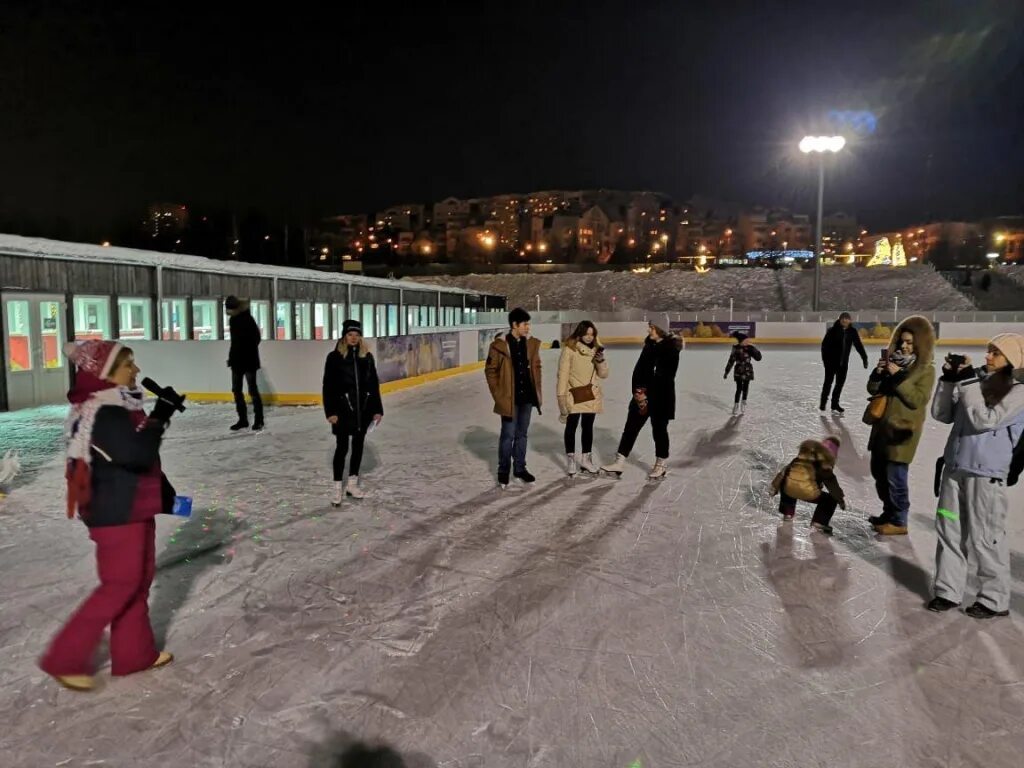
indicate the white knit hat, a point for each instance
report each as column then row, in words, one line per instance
column 1012, row 347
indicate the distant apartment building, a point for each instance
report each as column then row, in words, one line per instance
column 408, row 217
column 166, row 219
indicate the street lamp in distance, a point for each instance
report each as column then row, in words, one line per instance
column 820, row 145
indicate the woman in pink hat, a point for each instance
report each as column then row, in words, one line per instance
column 116, row 486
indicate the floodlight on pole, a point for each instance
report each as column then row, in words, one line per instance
column 820, row 145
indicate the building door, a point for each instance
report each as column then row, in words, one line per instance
column 35, row 367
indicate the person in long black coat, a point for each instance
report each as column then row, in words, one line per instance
column 352, row 404
column 654, row 398
column 244, row 362
column 835, row 355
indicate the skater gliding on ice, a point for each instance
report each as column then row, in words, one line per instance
column 117, row 487
column 986, row 409
column 513, row 375
column 900, row 387
column 244, row 362
column 352, row 403
column 581, row 366
column 740, row 358
column 654, row 398
column 839, row 340
column 811, row 477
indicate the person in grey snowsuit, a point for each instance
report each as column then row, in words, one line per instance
column 986, row 409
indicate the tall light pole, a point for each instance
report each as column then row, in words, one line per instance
column 820, row 145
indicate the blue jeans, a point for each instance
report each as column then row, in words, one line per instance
column 512, row 444
column 892, row 486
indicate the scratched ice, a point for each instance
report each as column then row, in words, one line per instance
column 579, row 623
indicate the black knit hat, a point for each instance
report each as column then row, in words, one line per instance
column 739, row 336
column 352, row 325
column 232, row 303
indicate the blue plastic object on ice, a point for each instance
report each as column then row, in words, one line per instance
column 182, row 506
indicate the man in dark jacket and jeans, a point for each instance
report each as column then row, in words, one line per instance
column 244, row 362
column 835, row 354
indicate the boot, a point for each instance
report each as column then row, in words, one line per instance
column 837, row 409
column 587, row 465
column 821, row 405
column 979, row 611
column 941, row 605
column 257, row 426
column 503, row 481
column 743, row 407
column 353, row 489
column 736, row 409
column 659, row 470
column 76, row 682
column 616, row 467
column 891, row 529
column 571, row 466
column 162, row 660
column 240, row 425
column 338, row 493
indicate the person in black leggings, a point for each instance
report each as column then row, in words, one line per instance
column 581, row 367
column 352, row 403
column 740, row 362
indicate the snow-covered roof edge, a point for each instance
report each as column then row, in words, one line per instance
column 38, row 247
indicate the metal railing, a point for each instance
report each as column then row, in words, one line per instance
column 724, row 314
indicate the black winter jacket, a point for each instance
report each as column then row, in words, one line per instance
column 655, row 372
column 245, row 342
column 836, row 346
column 351, row 390
column 128, row 485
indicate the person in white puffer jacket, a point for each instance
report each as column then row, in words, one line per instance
column 986, row 409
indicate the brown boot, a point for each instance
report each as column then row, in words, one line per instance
column 76, row 682
column 888, row 529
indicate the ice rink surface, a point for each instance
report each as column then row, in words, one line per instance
column 587, row 622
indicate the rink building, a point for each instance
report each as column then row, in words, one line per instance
column 54, row 291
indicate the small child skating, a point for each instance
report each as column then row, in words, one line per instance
column 740, row 360
column 811, row 477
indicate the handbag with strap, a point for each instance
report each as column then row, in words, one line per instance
column 585, row 393
column 876, row 409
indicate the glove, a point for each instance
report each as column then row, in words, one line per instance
column 166, row 405
column 725, row 375
column 865, row 363
column 842, row 504
column 955, row 376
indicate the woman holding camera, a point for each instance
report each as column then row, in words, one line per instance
column 580, row 367
column 116, row 485
column 654, row 398
column 900, row 386
column 986, row 409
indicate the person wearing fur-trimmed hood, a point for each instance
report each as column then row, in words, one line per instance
column 352, row 404
column 986, row 408
column 905, row 375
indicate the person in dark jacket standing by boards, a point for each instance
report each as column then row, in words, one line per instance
column 513, row 373
column 835, row 354
column 244, row 362
column 352, row 403
column 116, row 485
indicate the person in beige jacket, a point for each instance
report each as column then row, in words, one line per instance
column 580, row 368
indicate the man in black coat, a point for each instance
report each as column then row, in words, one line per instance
column 244, row 362
column 835, row 354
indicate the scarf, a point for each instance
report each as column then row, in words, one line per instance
column 901, row 360
column 78, row 433
column 995, row 385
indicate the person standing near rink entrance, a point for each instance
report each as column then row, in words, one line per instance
column 839, row 341
column 513, row 375
column 244, row 362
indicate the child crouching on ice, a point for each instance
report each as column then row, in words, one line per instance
column 811, row 477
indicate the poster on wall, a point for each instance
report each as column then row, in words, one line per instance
column 713, row 329
column 400, row 357
column 877, row 331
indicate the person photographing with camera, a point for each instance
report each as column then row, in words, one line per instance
column 986, row 408
column 117, row 487
column 900, row 387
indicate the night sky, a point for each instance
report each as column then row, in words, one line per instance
column 311, row 112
